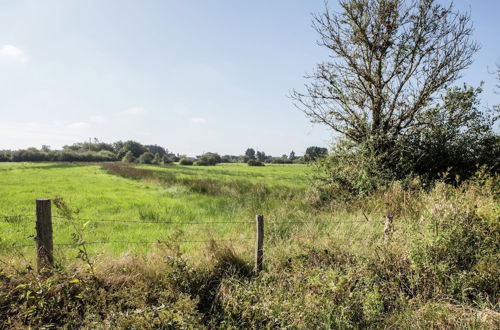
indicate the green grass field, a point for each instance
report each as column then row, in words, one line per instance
column 101, row 201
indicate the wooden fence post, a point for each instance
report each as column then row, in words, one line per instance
column 44, row 244
column 259, row 243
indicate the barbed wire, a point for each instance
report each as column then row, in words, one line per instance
column 160, row 222
column 209, row 222
column 4, row 216
column 332, row 238
column 76, row 244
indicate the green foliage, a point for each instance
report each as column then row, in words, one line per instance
column 113, row 297
column 458, row 256
column 314, row 153
column 458, row 139
column 166, row 160
column 87, row 146
column 209, row 159
column 156, row 149
column 5, row 156
column 261, row 156
column 157, row 160
column 254, row 162
column 136, row 148
column 350, row 171
column 249, row 154
column 129, row 157
column 185, row 161
column 439, row 270
column 146, row 158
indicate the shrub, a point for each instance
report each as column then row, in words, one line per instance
column 165, row 160
column 314, row 153
column 136, row 148
column 209, row 159
column 351, row 171
column 129, row 157
column 185, row 161
column 90, row 156
column 254, row 162
column 146, row 158
column 29, row 155
column 157, row 160
column 5, row 156
column 459, row 139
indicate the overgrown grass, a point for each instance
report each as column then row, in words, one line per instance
column 327, row 267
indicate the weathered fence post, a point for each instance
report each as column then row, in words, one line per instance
column 44, row 244
column 259, row 243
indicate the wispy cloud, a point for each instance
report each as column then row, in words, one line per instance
column 136, row 111
column 79, row 124
column 197, row 120
column 14, row 53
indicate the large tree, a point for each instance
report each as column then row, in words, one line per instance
column 388, row 61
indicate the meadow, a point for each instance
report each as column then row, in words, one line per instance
column 172, row 247
column 98, row 198
column 121, row 214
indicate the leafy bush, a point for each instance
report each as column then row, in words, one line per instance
column 254, row 162
column 351, row 171
column 89, row 146
column 29, row 155
column 157, row 160
column 146, row 158
column 165, row 160
column 136, row 148
column 314, row 153
column 5, row 156
column 72, row 156
column 209, row 159
column 459, row 139
column 129, row 157
column 156, row 149
column 185, row 161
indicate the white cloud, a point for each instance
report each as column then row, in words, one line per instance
column 98, row 119
column 136, row 111
column 12, row 52
column 79, row 124
column 198, row 120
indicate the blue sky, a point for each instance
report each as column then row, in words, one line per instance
column 191, row 75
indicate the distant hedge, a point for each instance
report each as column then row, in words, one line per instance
column 185, row 161
column 254, row 162
column 33, row 155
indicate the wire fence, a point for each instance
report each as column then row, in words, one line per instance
column 174, row 223
column 44, row 244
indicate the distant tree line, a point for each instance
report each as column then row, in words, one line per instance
column 93, row 151
column 135, row 152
